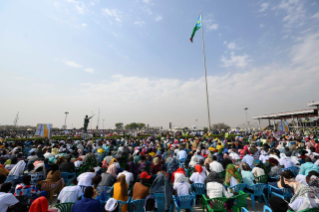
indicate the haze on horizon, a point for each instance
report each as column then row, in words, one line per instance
column 133, row 60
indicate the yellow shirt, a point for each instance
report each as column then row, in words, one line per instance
column 152, row 154
column 100, row 150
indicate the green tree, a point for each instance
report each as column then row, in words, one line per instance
column 119, row 126
column 220, row 126
column 205, row 129
column 140, row 125
column 134, row 126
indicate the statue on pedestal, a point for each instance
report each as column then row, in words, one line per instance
column 86, row 123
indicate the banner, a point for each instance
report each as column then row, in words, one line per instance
column 43, row 130
column 283, row 126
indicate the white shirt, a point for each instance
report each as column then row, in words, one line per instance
column 117, row 165
column 257, row 171
column 263, row 158
column 176, row 176
column 317, row 162
column 182, row 154
column 10, row 166
column 78, row 163
column 85, row 179
column 48, row 155
column 182, row 188
column 128, row 177
column 6, row 201
column 197, row 177
column 234, row 156
column 286, row 162
column 215, row 189
column 70, row 194
column 301, row 179
column 216, row 166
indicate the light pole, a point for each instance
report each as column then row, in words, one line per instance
column 246, row 108
column 196, row 125
column 103, row 124
column 66, row 115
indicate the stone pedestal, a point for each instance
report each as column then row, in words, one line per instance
column 86, row 136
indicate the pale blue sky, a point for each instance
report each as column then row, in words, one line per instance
column 134, row 60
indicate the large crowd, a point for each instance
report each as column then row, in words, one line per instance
column 161, row 173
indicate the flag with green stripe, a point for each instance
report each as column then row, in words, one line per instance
column 198, row 25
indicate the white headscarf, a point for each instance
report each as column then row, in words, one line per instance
column 179, row 178
column 18, row 169
column 193, row 161
column 40, row 165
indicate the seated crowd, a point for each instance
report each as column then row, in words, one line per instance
column 107, row 175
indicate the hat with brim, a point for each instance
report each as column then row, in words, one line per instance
column 111, row 204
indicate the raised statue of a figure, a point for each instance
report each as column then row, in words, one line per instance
column 86, row 123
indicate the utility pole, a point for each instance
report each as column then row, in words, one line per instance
column 66, row 115
column 246, row 108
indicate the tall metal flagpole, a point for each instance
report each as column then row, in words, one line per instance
column 208, row 113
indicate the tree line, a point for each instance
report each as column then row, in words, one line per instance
column 131, row 126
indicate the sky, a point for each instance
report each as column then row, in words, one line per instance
column 133, row 60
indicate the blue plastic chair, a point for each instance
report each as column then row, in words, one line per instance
column 184, row 202
column 294, row 169
column 160, row 200
column 65, row 176
column 257, row 192
column 138, row 205
column 287, row 192
column 238, row 187
column 266, row 208
column 198, row 189
column 244, row 210
column 122, row 203
column 109, row 192
column 83, row 188
column 275, row 178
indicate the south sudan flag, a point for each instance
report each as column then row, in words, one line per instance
column 198, row 25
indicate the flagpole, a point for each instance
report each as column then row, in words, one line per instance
column 208, row 113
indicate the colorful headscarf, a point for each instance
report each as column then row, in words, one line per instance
column 301, row 190
column 199, row 168
column 231, row 171
column 8, row 162
column 113, row 160
column 314, row 183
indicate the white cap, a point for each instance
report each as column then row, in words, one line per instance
column 111, row 204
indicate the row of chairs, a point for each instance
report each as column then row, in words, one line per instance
column 267, row 209
column 136, row 205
